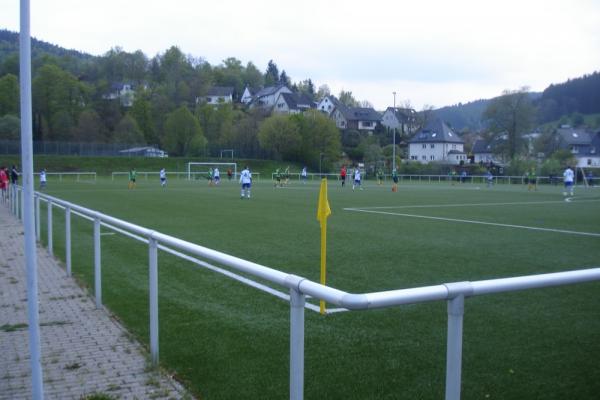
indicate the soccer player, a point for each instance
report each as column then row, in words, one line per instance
column 379, row 176
column 217, row 175
column 286, row 175
column 532, row 180
column 395, row 179
column 568, row 179
column 343, row 175
column 210, row 177
column 357, row 179
column 304, row 175
column 132, row 174
column 43, row 179
column 163, row 177
column 277, row 178
column 246, row 181
column 229, row 173
column 490, row 178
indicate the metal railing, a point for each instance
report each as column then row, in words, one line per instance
column 178, row 175
column 299, row 288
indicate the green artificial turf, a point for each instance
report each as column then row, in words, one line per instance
column 225, row 340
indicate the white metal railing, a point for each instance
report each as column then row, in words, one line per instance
column 299, row 288
column 77, row 175
column 178, row 175
column 476, row 179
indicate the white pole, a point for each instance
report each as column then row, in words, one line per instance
column 50, row 226
column 68, row 239
column 394, row 140
column 456, row 310
column 37, row 382
column 97, row 271
column 153, row 274
column 297, row 301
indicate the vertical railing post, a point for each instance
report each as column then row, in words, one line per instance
column 97, row 270
column 297, row 302
column 50, row 227
column 153, row 275
column 68, row 239
column 38, row 230
column 456, row 310
column 22, row 204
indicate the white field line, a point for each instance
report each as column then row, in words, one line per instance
column 568, row 199
column 467, row 221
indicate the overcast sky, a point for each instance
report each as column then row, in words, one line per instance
column 428, row 52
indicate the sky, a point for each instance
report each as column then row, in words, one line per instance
column 429, row 52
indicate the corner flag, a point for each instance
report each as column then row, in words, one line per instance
column 323, row 212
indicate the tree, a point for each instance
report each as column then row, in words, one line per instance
column 272, row 74
column 320, row 137
column 10, row 127
column 280, row 136
column 142, row 112
column 183, row 132
column 89, row 128
column 347, row 98
column 252, row 77
column 9, row 95
column 322, row 92
column 284, row 79
column 307, row 88
column 127, row 131
column 366, row 104
column 512, row 114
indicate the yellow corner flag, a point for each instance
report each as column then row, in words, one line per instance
column 323, row 212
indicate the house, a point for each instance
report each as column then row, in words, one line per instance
column 402, row 119
column 123, row 92
column 328, row 104
column 437, row 143
column 489, row 151
column 292, row 103
column 359, row 118
column 217, row 95
column 248, row 95
column 265, row 98
column 584, row 145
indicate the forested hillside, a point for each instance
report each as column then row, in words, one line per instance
column 579, row 95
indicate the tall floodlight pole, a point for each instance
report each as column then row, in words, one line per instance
column 28, row 217
column 394, row 135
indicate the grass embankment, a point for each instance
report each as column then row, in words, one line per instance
column 106, row 165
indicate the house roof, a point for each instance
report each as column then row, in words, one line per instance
column 358, row 113
column 436, row 131
column 402, row 114
column 488, row 146
column 269, row 90
column 571, row 136
column 220, row 91
column 296, row 100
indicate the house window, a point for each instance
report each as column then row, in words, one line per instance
column 589, row 162
column 432, row 145
column 413, row 157
column 424, row 158
column 574, row 150
column 343, row 124
column 424, row 146
column 432, row 158
column 453, row 147
column 209, row 99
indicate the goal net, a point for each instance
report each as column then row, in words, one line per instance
column 199, row 170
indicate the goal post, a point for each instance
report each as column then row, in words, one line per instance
column 201, row 168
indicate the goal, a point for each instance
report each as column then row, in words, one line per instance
column 198, row 170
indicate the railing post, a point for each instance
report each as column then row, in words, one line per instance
column 297, row 301
column 68, row 239
column 50, row 226
column 97, row 270
column 38, row 230
column 22, row 204
column 153, row 274
column 456, row 310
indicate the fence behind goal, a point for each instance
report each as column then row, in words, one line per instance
column 299, row 288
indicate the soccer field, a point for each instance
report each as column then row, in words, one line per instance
column 227, row 340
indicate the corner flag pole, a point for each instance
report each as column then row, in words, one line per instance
column 323, row 212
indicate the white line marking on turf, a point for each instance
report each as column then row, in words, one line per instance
column 468, row 204
column 467, row 221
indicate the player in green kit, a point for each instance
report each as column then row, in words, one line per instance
column 532, row 180
column 132, row 174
